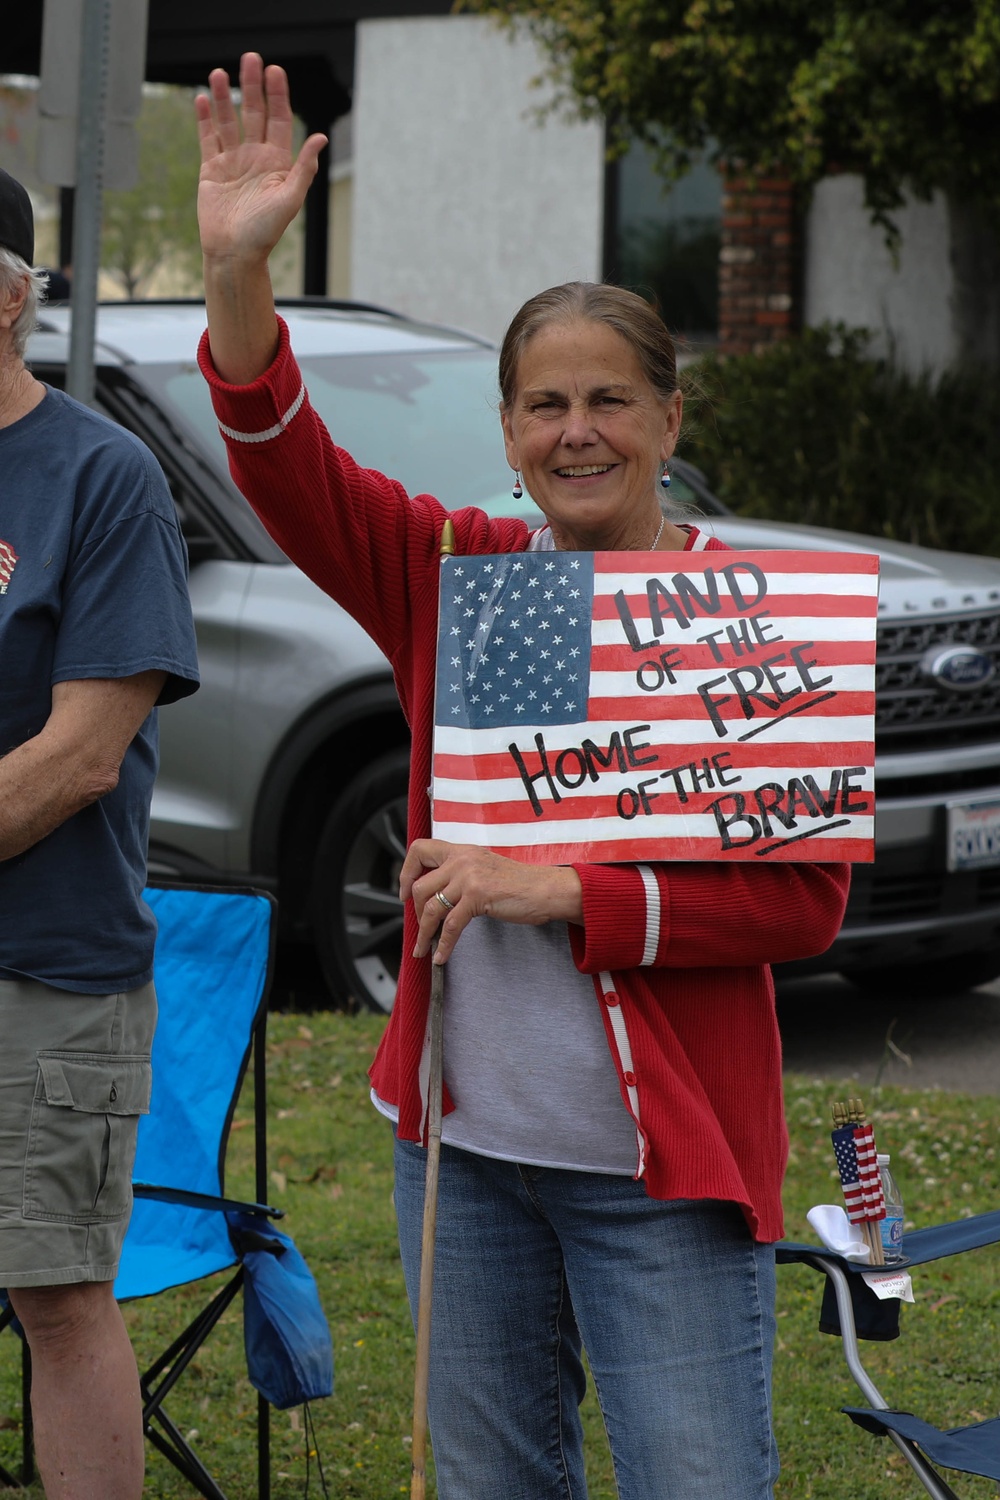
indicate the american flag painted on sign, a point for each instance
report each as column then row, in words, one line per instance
column 8, row 557
column 612, row 706
column 854, row 1148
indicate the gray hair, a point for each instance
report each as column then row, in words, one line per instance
column 12, row 271
column 596, row 302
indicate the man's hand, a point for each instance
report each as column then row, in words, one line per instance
column 478, row 883
column 76, row 757
column 250, row 187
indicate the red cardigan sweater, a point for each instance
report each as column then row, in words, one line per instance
column 679, row 953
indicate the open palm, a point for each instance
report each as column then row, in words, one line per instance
column 251, row 186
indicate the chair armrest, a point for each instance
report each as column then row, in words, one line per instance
column 204, row 1200
column 921, row 1245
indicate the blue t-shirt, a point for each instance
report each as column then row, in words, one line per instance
column 93, row 583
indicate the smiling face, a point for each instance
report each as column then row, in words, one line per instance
column 590, row 434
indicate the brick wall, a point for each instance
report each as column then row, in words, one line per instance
column 759, row 300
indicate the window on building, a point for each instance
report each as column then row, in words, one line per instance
column 663, row 242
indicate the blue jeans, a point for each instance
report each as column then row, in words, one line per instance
column 673, row 1301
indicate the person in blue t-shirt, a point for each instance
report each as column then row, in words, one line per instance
column 95, row 632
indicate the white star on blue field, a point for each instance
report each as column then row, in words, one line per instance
column 514, row 639
column 845, row 1151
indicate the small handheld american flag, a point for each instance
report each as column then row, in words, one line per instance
column 857, row 1162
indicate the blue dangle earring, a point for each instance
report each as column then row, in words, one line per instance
column 665, row 478
column 517, row 491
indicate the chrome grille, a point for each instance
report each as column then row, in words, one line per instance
column 913, row 709
column 895, row 895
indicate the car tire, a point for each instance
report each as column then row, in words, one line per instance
column 357, row 913
column 928, row 981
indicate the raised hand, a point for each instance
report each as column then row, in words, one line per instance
column 250, row 187
column 250, row 190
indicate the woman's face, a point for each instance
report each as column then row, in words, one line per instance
column 589, row 435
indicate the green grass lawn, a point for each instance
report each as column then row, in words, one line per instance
column 330, row 1158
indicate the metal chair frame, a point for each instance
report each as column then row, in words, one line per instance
column 159, row 1379
column 922, row 1246
column 937, row 1487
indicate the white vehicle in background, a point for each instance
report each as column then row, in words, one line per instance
column 288, row 769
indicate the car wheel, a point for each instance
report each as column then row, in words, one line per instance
column 928, row 981
column 357, row 913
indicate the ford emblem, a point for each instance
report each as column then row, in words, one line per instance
column 960, row 668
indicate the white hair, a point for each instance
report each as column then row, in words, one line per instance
column 12, row 271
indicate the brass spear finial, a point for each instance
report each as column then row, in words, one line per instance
column 851, row 1113
column 448, row 539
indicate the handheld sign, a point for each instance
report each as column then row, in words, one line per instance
column 607, row 706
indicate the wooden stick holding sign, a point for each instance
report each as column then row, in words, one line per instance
column 418, row 1450
column 435, row 1082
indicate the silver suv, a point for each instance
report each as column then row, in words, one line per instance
column 289, row 767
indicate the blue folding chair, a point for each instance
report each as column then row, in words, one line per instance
column 852, row 1310
column 213, row 968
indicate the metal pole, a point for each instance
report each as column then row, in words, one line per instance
column 94, row 62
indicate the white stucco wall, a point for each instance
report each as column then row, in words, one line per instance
column 850, row 276
column 463, row 204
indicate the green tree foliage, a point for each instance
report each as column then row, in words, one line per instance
column 904, row 92
column 816, row 431
column 156, row 221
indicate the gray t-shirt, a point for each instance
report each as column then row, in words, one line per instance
column 525, row 1054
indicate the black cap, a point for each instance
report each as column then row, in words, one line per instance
column 17, row 224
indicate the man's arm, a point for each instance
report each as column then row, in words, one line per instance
column 76, row 757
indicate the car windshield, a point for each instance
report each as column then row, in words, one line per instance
column 430, row 420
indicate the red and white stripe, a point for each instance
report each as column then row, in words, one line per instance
column 869, row 1178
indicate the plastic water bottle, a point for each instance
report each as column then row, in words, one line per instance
column 892, row 1225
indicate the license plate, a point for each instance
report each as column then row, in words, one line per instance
column 973, row 835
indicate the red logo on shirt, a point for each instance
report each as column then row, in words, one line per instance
column 8, row 558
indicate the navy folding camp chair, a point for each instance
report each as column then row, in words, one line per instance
column 852, row 1310
column 213, row 967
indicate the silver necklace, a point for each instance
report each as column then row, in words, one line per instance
column 553, row 548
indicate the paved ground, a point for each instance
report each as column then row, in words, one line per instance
column 830, row 1031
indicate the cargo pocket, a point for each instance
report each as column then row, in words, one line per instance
column 81, row 1136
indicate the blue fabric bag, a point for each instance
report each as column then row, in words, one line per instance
column 289, row 1352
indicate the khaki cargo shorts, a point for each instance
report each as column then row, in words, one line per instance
column 74, row 1079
